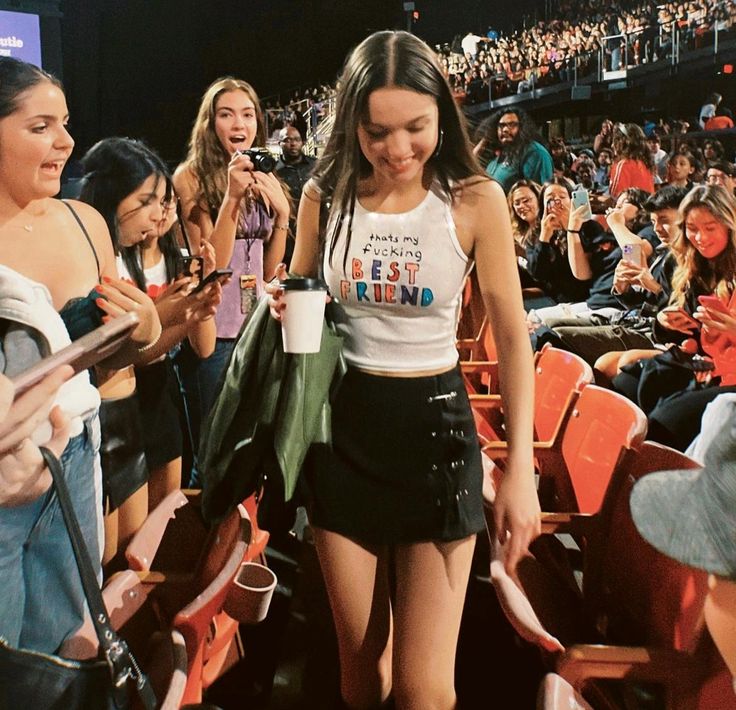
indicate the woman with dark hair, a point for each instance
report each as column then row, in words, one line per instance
column 397, row 503
column 241, row 210
column 509, row 149
column 131, row 187
column 593, row 254
column 633, row 164
column 54, row 256
column 546, row 256
column 681, row 167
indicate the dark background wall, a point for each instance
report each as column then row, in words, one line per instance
column 138, row 67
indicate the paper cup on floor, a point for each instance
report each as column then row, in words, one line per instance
column 250, row 596
column 301, row 320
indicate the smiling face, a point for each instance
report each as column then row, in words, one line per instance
column 141, row 213
column 34, row 144
column 399, row 134
column 236, row 122
column 708, row 235
column 525, row 204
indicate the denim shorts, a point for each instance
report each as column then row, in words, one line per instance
column 43, row 602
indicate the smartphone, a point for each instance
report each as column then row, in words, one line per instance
column 82, row 353
column 690, row 320
column 581, row 197
column 216, row 275
column 192, row 266
column 632, row 253
column 713, row 302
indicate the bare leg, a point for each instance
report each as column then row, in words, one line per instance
column 606, row 367
column 356, row 577
column 431, row 580
column 111, row 536
column 131, row 515
column 162, row 481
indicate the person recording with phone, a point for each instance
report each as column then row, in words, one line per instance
column 705, row 249
column 229, row 200
column 131, row 187
column 593, row 254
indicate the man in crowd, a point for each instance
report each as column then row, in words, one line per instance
column 508, row 135
column 723, row 173
column 294, row 168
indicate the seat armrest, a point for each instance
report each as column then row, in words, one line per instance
column 142, row 548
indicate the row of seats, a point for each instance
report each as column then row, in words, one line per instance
column 168, row 604
column 619, row 624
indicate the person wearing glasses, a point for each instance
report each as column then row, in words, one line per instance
column 723, row 173
column 508, row 140
column 294, row 168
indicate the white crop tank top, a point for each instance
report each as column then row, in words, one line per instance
column 399, row 292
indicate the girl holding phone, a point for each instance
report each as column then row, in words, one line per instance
column 61, row 253
column 241, row 211
column 397, row 503
column 131, row 187
column 705, row 249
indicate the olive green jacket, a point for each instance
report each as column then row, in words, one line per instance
column 272, row 407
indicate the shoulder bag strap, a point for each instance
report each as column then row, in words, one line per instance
column 122, row 664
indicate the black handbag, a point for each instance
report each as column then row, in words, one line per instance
column 32, row 680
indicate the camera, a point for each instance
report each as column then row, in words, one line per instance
column 261, row 158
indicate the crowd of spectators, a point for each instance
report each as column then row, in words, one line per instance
column 578, row 215
column 552, row 51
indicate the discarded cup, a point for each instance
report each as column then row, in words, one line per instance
column 301, row 321
column 250, row 596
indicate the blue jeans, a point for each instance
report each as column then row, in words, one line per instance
column 42, row 598
column 201, row 381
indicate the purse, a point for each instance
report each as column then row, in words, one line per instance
column 30, row 679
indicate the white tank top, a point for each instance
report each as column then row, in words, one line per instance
column 399, row 294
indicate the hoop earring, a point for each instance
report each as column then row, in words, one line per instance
column 439, row 144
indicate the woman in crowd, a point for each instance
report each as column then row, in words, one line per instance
column 525, row 212
column 241, row 210
column 546, row 256
column 131, row 187
column 705, row 249
column 593, row 253
column 54, row 255
column 633, row 165
column 398, row 507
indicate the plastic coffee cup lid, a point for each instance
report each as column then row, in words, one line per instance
column 303, row 284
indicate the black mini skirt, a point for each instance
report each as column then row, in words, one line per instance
column 404, row 465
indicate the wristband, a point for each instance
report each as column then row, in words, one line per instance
column 574, row 231
column 148, row 346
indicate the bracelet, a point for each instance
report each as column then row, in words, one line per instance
column 279, row 226
column 574, row 231
column 148, row 346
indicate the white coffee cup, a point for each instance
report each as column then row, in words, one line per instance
column 250, row 596
column 301, row 320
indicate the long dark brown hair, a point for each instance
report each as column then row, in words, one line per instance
column 388, row 59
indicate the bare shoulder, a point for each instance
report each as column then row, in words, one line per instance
column 477, row 191
column 185, row 180
column 311, row 191
column 98, row 232
column 91, row 218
